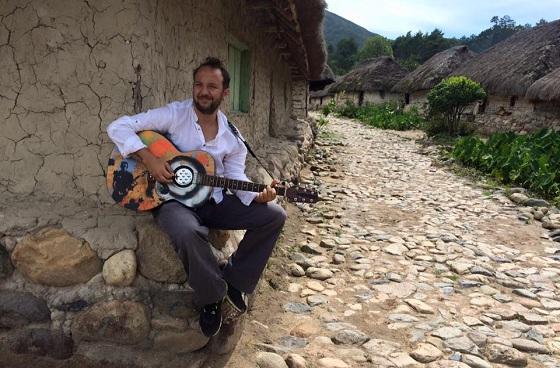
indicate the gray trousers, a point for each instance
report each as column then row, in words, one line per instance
column 188, row 230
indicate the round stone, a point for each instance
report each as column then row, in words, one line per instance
column 120, row 269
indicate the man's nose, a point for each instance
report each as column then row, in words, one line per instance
column 204, row 89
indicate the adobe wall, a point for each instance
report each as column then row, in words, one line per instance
column 82, row 280
column 524, row 116
column 70, row 68
column 378, row 98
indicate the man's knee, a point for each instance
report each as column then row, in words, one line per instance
column 182, row 229
column 278, row 214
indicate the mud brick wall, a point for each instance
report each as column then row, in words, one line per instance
column 81, row 279
column 69, row 68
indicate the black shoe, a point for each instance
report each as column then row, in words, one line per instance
column 210, row 319
column 238, row 299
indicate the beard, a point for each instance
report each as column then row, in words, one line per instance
column 210, row 107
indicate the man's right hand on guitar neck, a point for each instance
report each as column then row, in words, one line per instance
column 157, row 166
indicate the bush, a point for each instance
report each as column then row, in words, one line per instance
column 449, row 98
column 329, row 107
column 384, row 116
column 532, row 160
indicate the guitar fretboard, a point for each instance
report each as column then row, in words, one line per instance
column 218, row 181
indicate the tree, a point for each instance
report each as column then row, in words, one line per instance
column 345, row 56
column 451, row 96
column 415, row 49
column 501, row 29
column 375, row 46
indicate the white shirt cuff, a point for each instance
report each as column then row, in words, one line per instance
column 132, row 144
column 246, row 197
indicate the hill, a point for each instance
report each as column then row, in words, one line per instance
column 337, row 28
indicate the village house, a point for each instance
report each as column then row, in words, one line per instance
column 369, row 82
column 416, row 85
column 319, row 90
column 81, row 279
column 70, row 68
column 507, row 70
column 545, row 95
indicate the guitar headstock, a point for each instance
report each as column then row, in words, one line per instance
column 301, row 194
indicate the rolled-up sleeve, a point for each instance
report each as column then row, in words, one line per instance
column 123, row 130
column 234, row 168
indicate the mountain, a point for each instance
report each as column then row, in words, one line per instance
column 337, row 28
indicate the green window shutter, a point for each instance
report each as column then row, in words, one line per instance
column 245, row 86
column 234, row 66
column 239, row 67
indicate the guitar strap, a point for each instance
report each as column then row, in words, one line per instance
column 236, row 133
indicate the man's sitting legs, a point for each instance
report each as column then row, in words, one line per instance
column 190, row 240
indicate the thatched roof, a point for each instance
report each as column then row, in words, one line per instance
column 327, row 77
column 379, row 74
column 511, row 66
column 434, row 69
column 311, row 14
column 547, row 88
column 326, row 91
column 297, row 26
column 320, row 93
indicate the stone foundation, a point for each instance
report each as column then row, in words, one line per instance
column 518, row 121
column 90, row 284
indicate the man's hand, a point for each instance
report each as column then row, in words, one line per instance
column 158, row 167
column 268, row 194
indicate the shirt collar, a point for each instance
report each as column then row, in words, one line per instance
column 222, row 119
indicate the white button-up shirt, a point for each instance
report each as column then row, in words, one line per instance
column 178, row 121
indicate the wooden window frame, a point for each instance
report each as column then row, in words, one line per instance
column 239, row 67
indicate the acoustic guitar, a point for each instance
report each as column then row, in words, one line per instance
column 131, row 185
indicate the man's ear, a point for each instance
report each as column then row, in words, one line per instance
column 226, row 92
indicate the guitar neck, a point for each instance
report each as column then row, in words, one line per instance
column 217, row 181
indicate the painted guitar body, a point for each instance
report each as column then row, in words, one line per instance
column 131, row 185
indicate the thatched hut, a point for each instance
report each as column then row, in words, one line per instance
column 545, row 95
column 507, row 70
column 416, row 84
column 69, row 68
column 370, row 81
column 547, row 88
column 272, row 49
column 319, row 90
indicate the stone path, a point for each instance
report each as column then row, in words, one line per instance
column 403, row 264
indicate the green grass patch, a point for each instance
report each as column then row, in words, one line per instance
column 531, row 160
column 383, row 116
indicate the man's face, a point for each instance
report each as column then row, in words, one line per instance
column 208, row 90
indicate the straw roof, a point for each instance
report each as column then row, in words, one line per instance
column 547, row 88
column 311, row 14
column 320, row 93
column 327, row 77
column 297, row 26
column 511, row 66
column 379, row 74
column 434, row 69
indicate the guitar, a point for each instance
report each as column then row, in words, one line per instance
column 131, row 185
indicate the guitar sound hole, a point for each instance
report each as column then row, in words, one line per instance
column 183, row 176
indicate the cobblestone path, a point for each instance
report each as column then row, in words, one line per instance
column 404, row 264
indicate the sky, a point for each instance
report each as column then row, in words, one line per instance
column 455, row 18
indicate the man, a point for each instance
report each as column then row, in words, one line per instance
column 198, row 124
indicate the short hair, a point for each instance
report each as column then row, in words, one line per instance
column 214, row 63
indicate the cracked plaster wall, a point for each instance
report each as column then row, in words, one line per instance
column 70, row 67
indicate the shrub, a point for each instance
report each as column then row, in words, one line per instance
column 384, row 116
column 449, row 98
column 329, row 107
column 532, row 160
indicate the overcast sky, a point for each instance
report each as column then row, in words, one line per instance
column 455, row 18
